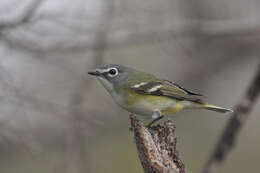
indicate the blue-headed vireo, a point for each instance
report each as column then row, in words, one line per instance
column 144, row 94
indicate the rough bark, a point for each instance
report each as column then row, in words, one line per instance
column 157, row 147
column 238, row 119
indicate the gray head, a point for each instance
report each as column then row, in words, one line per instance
column 112, row 76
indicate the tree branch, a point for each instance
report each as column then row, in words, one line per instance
column 238, row 119
column 157, row 147
column 22, row 17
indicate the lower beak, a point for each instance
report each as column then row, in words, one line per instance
column 94, row 73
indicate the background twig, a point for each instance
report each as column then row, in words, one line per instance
column 23, row 17
column 238, row 119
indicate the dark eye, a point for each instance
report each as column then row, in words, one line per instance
column 113, row 72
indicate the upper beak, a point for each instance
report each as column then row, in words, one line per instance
column 94, row 73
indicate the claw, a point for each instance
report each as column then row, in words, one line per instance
column 152, row 122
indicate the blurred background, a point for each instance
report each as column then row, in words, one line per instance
column 55, row 118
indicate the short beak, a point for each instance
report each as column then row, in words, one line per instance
column 94, row 73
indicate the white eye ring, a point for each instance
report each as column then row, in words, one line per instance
column 112, row 72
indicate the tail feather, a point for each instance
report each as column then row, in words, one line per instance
column 216, row 108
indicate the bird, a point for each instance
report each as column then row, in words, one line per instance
column 144, row 94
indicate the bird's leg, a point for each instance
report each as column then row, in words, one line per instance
column 152, row 122
column 156, row 117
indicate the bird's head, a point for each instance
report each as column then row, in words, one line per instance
column 112, row 76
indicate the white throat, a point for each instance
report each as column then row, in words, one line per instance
column 111, row 90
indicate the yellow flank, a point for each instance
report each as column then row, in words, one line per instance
column 133, row 98
column 173, row 109
column 165, row 104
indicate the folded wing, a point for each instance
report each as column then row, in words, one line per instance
column 166, row 88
